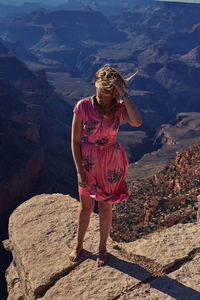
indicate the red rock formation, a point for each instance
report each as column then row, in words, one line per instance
column 34, row 135
column 21, row 184
column 165, row 199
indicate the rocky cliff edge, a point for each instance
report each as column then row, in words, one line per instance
column 42, row 230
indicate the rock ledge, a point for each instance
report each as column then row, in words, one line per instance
column 42, row 230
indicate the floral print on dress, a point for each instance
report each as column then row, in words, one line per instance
column 116, row 147
column 89, row 126
column 104, row 160
column 88, row 162
column 114, row 175
column 94, row 188
column 115, row 126
column 102, row 141
column 85, row 139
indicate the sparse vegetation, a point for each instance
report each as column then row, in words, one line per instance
column 165, row 199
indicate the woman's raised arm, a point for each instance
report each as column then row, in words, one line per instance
column 131, row 113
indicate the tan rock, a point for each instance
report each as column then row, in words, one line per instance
column 183, row 284
column 167, row 245
column 6, row 245
column 14, row 286
column 42, row 232
column 89, row 282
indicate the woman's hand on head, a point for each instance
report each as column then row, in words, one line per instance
column 119, row 88
column 82, row 179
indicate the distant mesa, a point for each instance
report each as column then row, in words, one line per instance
column 3, row 49
column 192, row 58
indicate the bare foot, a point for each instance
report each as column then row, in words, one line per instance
column 75, row 254
column 102, row 259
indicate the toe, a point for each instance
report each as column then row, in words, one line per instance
column 101, row 260
column 71, row 258
column 75, row 254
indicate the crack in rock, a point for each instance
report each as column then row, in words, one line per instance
column 156, row 270
column 42, row 290
column 150, row 266
column 143, row 282
column 180, row 262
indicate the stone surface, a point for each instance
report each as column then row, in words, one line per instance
column 89, row 282
column 183, row 284
column 14, row 286
column 42, row 232
column 167, row 245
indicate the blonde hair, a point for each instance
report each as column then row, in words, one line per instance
column 105, row 77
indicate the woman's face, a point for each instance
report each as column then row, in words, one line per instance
column 104, row 97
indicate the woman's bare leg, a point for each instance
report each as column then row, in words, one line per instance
column 86, row 207
column 105, row 221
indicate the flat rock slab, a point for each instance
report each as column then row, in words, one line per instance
column 87, row 282
column 42, row 232
column 182, row 284
column 166, row 246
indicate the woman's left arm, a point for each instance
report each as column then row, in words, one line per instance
column 131, row 113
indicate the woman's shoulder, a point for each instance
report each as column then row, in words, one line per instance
column 82, row 106
column 85, row 101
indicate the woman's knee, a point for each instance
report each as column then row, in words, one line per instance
column 104, row 207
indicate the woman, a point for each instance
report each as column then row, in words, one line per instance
column 100, row 161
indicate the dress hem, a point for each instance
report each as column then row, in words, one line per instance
column 112, row 198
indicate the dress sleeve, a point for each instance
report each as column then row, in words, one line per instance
column 79, row 110
column 121, row 110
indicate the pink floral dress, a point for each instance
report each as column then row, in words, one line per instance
column 104, row 160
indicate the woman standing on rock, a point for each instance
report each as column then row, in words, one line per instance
column 100, row 160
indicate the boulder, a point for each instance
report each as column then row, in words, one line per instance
column 42, row 232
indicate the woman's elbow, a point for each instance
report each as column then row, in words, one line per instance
column 136, row 123
column 139, row 123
